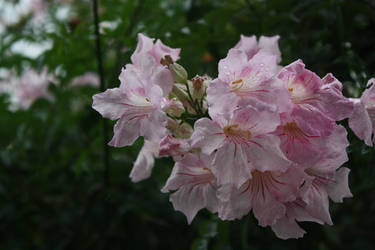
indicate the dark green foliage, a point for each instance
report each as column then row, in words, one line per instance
column 52, row 192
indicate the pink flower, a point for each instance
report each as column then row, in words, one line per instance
column 239, row 143
column 362, row 121
column 250, row 46
column 145, row 161
column 302, row 146
column 195, row 184
column 320, row 99
column 287, row 227
column 158, row 50
column 314, row 204
column 241, row 79
column 89, row 78
column 265, row 193
column 136, row 103
column 324, row 180
column 26, row 89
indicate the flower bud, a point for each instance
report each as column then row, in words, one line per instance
column 175, row 147
column 178, row 72
column 172, row 107
column 198, row 87
column 179, row 90
column 184, row 130
column 178, row 129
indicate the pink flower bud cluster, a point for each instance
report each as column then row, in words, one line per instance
column 264, row 138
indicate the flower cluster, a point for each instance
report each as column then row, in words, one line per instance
column 27, row 88
column 259, row 137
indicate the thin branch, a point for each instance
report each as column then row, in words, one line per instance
column 102, row 88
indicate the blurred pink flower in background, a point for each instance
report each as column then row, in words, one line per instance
column 87, row 79
column 27, row 88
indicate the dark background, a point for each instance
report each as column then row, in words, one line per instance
column 52, row 177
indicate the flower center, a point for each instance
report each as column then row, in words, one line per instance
column 292, row 130
column 299, row 93
column 244, row 86
column 236, row 134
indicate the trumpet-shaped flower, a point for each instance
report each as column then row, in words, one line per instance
column 303, row 147
column 27, row 88
column 320, row 99
column 136, row 103
column 241, row 79
column 195, row 184
column 324, row 180
column 265, row 193
column 239, row 143
column 362, row 121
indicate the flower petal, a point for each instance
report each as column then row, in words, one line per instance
column 340, row 188
column 110, row 103
column 145, row 161
column 207, row 135
column 286, row 228
column 125, row 132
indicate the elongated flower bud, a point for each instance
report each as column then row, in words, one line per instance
column 179, row 73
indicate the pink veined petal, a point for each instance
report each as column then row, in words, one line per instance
column 334, row 152
column 190, row 166
column 267, row 210
column 233, row 202
column 110, row 103
column 231, row 66
column 195, row 186
column 221, row 100
column 270, row 190
column 312, row 121
column 189, row 201
column 305, row 149
column 263, row 65
column 260, row 119
column 360, row 122
column 153, row 127
column 335, row 105
column 145, row 161
column 131, row 79
column 317, row 201
column 207, row 135
column 163, row 78
column 230, row 165
column 339, row 189
column 298, row 146
column 144, row 45
column 125, row 132
column 265, row 154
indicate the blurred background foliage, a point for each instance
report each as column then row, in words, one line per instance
column 52, row 180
